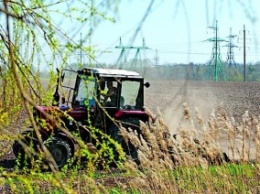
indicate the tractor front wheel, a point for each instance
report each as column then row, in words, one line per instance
column 22, row 158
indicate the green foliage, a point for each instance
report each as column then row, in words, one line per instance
column 226, row 178
column 31, row 40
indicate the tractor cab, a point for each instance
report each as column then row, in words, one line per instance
column 95, row 95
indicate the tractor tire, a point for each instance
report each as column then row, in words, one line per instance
column 18, row 150
column 22, row 159
column 20, row 156
column 128, row 147
column 60, row 150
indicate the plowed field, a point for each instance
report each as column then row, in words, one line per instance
column 169, row 96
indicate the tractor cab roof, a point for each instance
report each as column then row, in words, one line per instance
column 110, row 72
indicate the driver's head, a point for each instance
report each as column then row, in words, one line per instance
column 109, row 84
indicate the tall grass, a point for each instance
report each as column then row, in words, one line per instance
column 189, row 160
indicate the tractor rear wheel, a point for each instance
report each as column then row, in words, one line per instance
column 128, row 147
column 60, row 150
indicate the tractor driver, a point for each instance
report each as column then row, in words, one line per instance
column 111, row 93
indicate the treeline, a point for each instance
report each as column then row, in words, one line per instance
column 203, row 72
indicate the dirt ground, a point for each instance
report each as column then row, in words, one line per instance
column 169, row 96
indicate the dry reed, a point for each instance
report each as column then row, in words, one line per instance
column 211, row 142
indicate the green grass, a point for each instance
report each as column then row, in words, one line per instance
column 226, row 178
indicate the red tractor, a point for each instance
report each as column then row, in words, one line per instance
column 81, row 102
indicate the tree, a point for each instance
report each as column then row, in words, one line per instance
column 32, row 39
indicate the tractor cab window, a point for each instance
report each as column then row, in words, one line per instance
column 130, row 94
column 86, row 92
column 67, row 83
column 109, row 95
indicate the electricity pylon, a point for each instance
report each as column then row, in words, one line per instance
column 216, row 65
column 122, row 60
column 230, row 53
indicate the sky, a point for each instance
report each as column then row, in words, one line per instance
column 176, row 31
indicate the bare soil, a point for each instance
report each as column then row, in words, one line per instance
column 169, row 96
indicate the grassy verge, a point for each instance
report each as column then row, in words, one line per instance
column 227, row 178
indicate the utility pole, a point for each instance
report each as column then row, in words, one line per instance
column 216, row 57
column 91, row 31
column 81, row 43
column 244, row 43
column 244, row 52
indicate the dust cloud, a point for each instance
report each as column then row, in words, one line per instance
column 201, row 98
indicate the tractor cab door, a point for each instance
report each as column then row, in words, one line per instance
column 79, row 91
column 85, row 92
column 108, row 99
column 67, row 87
column 84, row 98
